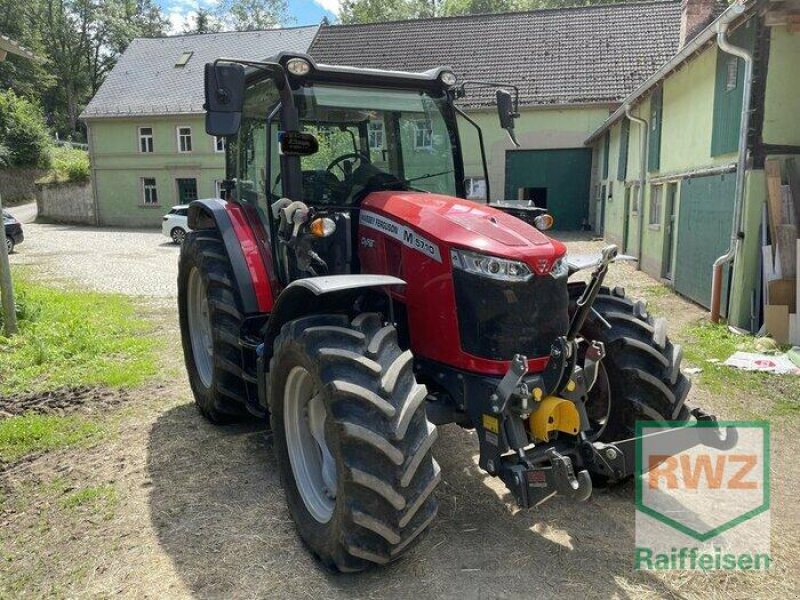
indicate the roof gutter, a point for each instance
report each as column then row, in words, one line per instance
column 744, row 125
column 644, row 132
column 729, row 15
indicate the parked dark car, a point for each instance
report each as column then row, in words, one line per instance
column 14, row 234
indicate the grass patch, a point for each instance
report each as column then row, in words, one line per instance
column 99, row 500
column 41, row 433
column 72, row 338
column 707, row 342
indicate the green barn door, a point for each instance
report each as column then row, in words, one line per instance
column 554, row 179
column 705, row 214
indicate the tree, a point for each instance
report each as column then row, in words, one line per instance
column 252, row 15
column 202, row 22
column 81, row 41
column 371, row 11
column 23, row 132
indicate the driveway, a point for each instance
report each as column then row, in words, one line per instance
column 136, row 262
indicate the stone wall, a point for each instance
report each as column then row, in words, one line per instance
column 18, row 185
column 70, row 202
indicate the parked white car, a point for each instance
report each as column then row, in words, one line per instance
column 175, row 223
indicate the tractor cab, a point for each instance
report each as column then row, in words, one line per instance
column 328, row 136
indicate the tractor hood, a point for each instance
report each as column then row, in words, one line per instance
column 467, row 225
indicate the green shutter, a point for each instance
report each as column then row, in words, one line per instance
column 624, row 136
column 654, row 139
column 606, row 150
column 728, row 88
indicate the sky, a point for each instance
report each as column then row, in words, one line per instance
column 302, row 12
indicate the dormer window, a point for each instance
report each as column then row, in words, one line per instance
column 184, row 58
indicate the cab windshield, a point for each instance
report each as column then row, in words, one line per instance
column 372, row 139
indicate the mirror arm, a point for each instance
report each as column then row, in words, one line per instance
column 482, row 147
column 490, row 84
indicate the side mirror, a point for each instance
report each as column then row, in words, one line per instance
column 507, row 113
column 298, row 143
column 224, row 83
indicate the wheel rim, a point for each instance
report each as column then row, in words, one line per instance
column 200, row 327
column 312, row 463
column 9, row 245
column 598, row 405
column 178, row 235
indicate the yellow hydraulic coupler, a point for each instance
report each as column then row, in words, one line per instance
column 553, row 414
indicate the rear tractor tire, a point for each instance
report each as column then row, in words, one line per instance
column 210, row 313
column 352, row 439
column 640, row 378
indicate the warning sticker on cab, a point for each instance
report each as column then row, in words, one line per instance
column 404, row 234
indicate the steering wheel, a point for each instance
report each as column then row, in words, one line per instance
column 337, row 162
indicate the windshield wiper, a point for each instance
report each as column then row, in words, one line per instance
column 426, row 176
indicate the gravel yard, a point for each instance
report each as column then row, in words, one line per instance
column 125, row 261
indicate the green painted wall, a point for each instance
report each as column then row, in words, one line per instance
column 536, row 129
column 781, row 122
column 118, row 166
column 686, row 146
column 688, row 117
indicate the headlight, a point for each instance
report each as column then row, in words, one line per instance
column 490, row 266
column 298, row 66
column 560, row 268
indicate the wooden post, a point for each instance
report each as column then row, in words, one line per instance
column 6, row 289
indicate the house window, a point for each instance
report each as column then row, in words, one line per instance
column 184, row 139
column 476, row 188
column 219, row 144
column 375, row 132
column 145, row 139
column 149, row 191
column 423, row 134
column 654, row 140
column 656, row 197
column 624, row 137
column 732, row 76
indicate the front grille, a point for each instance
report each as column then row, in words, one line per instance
column 497, row 319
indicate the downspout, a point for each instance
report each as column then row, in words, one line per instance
column 741, row 165
column 642, row 176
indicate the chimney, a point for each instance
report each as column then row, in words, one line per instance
column 696, row 15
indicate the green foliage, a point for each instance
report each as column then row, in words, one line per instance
column 373, row 11
column 23, row 132
column 80, row 41
column 71, row 338
column 69, row 164
column 5, row 156
column 251, row 15
column 30, row 433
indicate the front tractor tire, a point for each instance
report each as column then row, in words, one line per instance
column 210, row 313
column 352, row 439
column 640, row 378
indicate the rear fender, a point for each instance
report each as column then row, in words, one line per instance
column 242, row 247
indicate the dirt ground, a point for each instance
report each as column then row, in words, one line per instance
column 198, row 511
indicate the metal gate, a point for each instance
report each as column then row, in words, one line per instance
column 705, row 214
column 559, row 177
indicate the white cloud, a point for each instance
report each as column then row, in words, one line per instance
column 330, row 5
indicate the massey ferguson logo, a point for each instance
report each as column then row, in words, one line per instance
column 403, row 234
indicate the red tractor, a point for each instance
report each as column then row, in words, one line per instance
column 345, row 289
